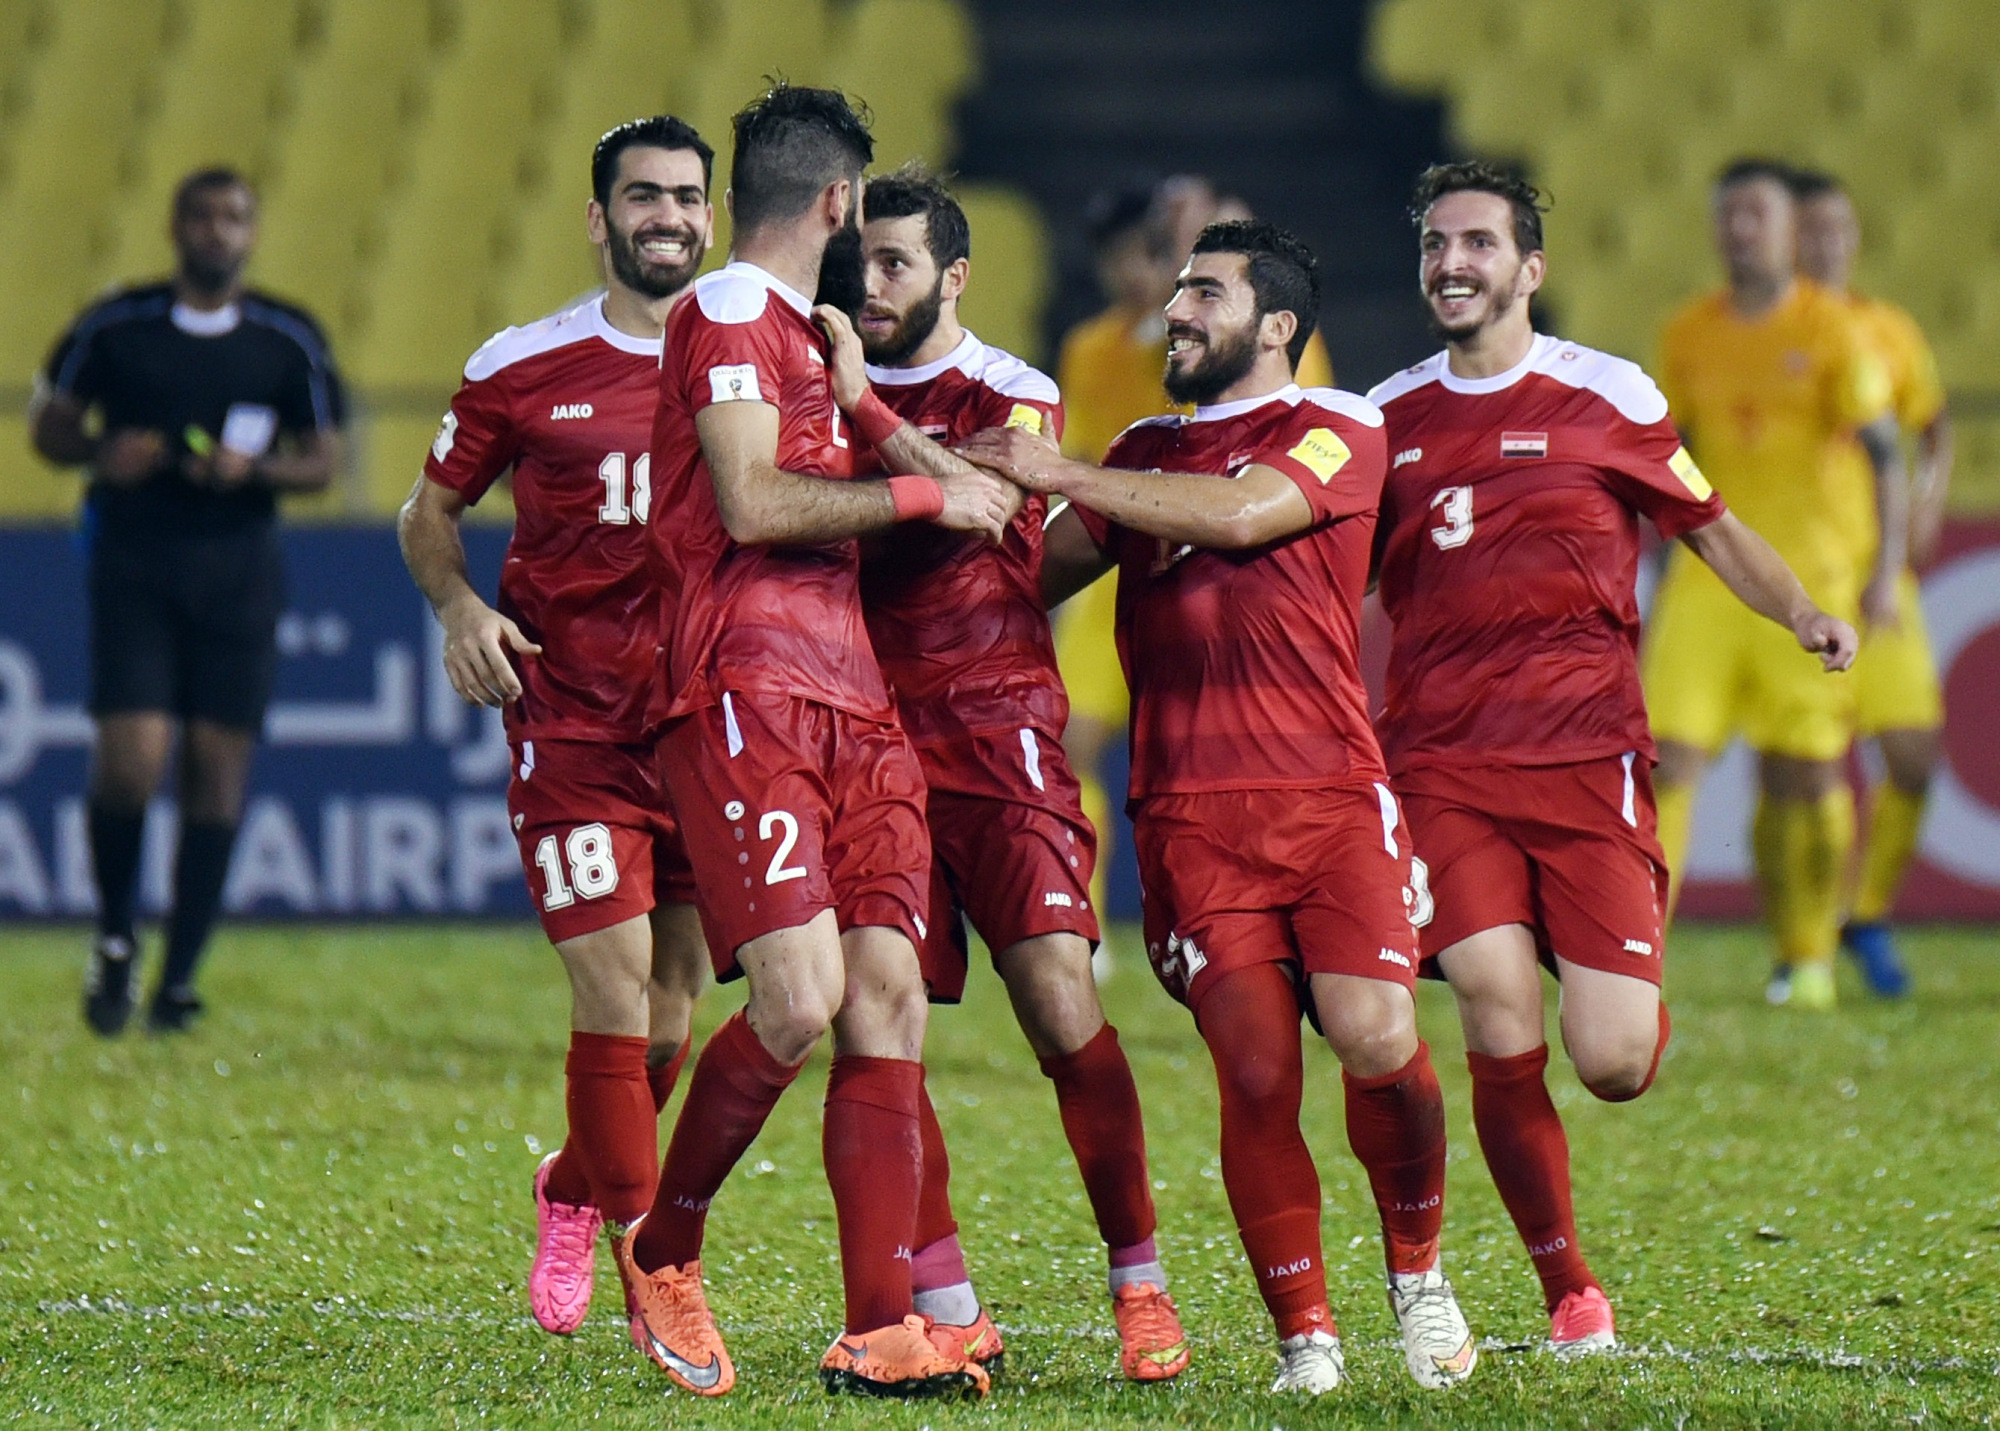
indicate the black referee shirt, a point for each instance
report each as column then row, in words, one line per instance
column 144, row 363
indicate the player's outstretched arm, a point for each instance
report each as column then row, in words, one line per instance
column 1258, row 505
column 1071, row 558
column 1751, row 568
column 1892, row 516
column 476, row 637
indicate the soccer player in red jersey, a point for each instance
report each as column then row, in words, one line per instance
column 958, row 626
column 802, row 800
column 1515, row 730
column 1274, row 858
column 567, row 403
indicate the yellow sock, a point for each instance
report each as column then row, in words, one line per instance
column 1675, row 807
column 1892, row 844
column 1809, row 841
column 1097, row 809
column 1767, row 854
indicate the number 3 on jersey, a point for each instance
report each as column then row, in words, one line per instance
column 1456, row 503
column 621, row 508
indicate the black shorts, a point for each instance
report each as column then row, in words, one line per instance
column 186, row 624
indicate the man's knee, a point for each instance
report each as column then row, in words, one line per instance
column 1785, row 777
column 215, row 771
column 1619, row 1067
column 129, row 759
column 1054, row 995
column 796, row 986
column 1371, row 1024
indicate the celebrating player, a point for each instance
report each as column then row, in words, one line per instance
column 1771, row 381
column 1274, row 860
column 1899, row 702
column 801, row 797
column 958, row 626
column 1514, row 730
column 568, row 403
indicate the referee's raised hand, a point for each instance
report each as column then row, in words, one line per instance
column 476, row 641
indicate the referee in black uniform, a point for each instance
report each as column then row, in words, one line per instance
column 191, row 405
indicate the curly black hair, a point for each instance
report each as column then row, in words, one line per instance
column 791, row 142
column 1472, row 176
column 1284, row 274
column 914, row 191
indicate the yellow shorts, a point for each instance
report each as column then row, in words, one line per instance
column 1713, row 668
column 1087, row 653
column 1895, row 677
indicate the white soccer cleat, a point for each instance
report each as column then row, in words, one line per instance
column 1437, row 1345
column 1310, row 1362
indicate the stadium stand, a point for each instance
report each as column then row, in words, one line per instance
column 1624, row 109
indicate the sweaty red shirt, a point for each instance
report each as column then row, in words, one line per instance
column 957, row 622
column 1245, row 665
column 567, row 402
column 1509, row 550
column 782, row 620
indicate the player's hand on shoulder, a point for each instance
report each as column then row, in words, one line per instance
column 847, row 367
column 476, row 642
column 1831, row 639
column 1027, row 459
column 130, row 455
column 978, row 501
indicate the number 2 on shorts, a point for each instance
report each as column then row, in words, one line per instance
column 771, row 822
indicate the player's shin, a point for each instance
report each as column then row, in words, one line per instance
column 1527, row 1153
column 1395, row 1125
column 1099, row 1104
column 874, row 1161
column 1894, row 825
column 939, row 1283
column 614, row 1128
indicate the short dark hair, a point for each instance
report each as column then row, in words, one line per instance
column 1808, row 184
column 201, row 181
column 1115, row 213
column 1284, row 274
column 1753, row 167
column 1472, row 177
column 913, row 191
column 791, row 142
column 662, row 131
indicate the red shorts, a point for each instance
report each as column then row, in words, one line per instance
column 792, row 807
column 1016, row 863
column 1319, row 879
column 598, row 839
column 1571, row 851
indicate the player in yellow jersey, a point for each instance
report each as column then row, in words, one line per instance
column 1899, row 701
column 1772, row 380
column 1111, row 374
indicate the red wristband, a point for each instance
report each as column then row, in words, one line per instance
column 917, row 499
column 874, row 419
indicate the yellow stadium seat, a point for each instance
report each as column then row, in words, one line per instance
column 1847, row 29
column 1591, row 29
column 909, row 60
column 1716, row 29
column 1421, row 45
column 1952, row 29
column 30, row 489
column 1009, row 283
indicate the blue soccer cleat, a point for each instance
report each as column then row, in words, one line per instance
column 1873, row 946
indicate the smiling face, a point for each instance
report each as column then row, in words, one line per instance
column 1214, row 333
column 906, row 291
column 1474, row 275
column 658, row 224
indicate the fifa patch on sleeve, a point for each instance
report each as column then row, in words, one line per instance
column 1321, row 452
column 447, row 434
column 1682, row 466
column 734, row 382
column 1026, row 417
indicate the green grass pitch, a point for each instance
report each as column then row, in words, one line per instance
column 314, row 1212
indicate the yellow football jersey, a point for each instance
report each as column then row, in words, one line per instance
column 1110, row 374
column 1769, row 406
column 1917, row 395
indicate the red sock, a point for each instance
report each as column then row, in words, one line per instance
column 613, row 1149
column 934, row 1217
column 1395, row 1125
column 663, row 1078
column 874, row 1164
column 1100, row 1115
column 1528, row 1156
column 1250, row 1021
column 736, row 1083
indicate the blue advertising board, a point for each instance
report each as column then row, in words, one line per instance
column 377, row 792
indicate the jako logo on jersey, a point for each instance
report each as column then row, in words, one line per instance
column 1392, row 957
column 1056, row 899
column 1409, row 455
column 1637, row 946
column 566, row 410
column 1524, row 444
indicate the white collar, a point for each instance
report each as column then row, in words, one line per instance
column 1499, row 382
column 745, row 269
column 602, row 326
column 959, row 357
column 207, row 323
column 1288, row 394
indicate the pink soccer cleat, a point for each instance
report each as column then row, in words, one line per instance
column 1581, row 1324
column 565, row 1258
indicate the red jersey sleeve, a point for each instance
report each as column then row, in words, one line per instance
column 1337, row 462
column 478, row 439
column 731, row 362
column 1652, row 471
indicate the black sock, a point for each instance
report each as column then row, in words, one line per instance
column 200, row 867
column 115, row 837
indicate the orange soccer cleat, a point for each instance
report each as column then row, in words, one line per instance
column 901, row 1360
column 673, row 1325
column 1151, row 1344
column 1581, row 1324
column 977, row 1342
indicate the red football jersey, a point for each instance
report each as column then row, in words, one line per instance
column 957, row 622
column 568, row 403
column 1509, row 551
column 1245, row 665
column 779, row 619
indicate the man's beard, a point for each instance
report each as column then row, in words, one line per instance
column 1223, row 364
column 655, row 280
column 1496, row 309
column 843, row 273
column 911, row 332
column 210, row 275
